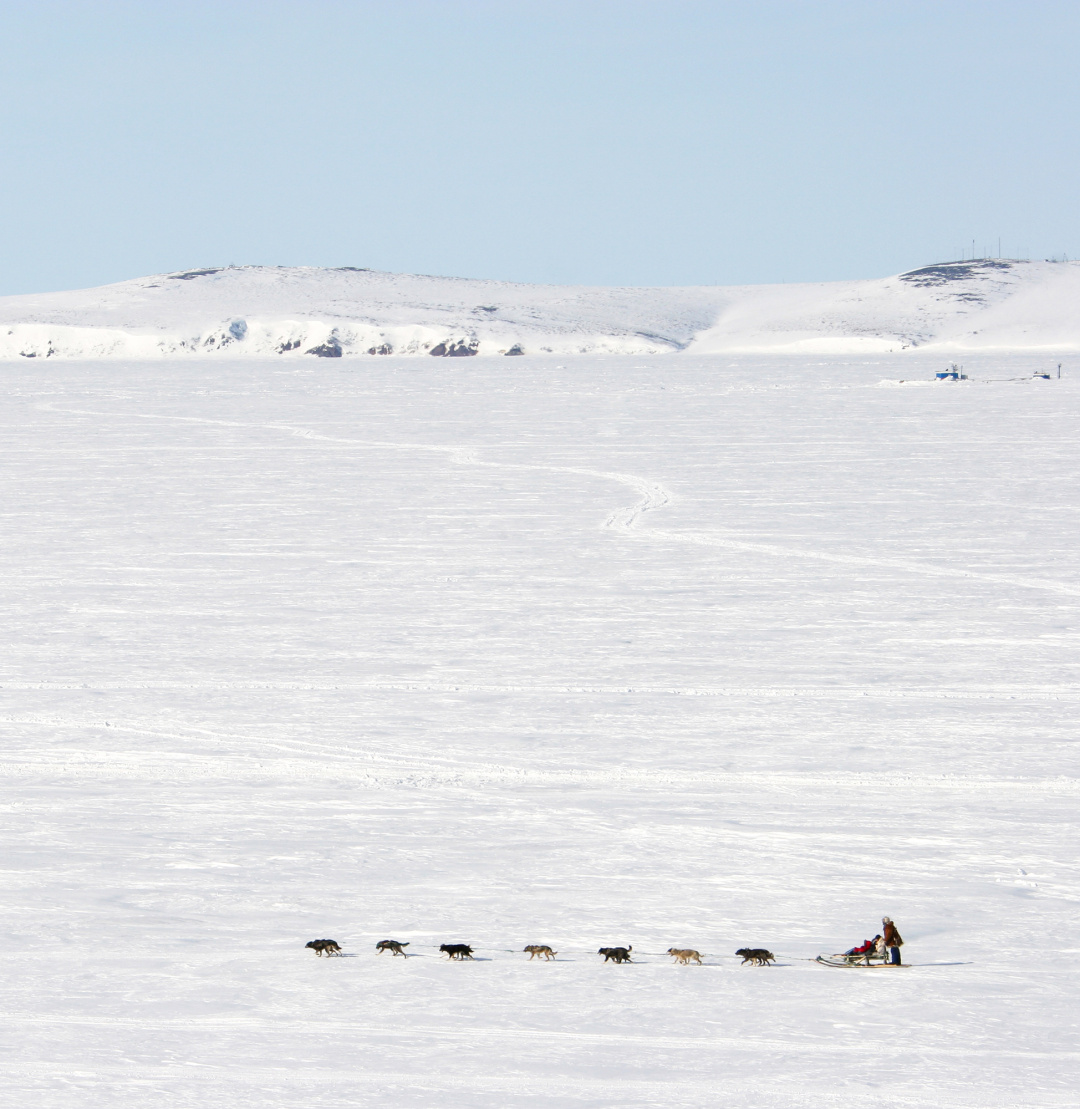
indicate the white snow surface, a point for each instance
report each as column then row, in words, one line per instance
column 704, row 651
column 254, row 311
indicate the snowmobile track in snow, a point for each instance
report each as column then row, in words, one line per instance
column 624, row 521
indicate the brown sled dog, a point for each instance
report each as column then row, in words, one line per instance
column 683, row 955
column 541, row 949
column 393, row 947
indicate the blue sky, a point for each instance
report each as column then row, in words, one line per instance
column 638, row 143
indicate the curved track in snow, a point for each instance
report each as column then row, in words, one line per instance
column 623, row 520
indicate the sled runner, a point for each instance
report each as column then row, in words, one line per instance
column 871, row 962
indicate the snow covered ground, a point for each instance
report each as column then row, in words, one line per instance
column 698, row 651
column 298, row 312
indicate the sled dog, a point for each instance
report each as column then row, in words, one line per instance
column 616, row 954
column 456, row 950
column 541, row 949
column 683, row 955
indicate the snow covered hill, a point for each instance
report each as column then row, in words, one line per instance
column 246, row 311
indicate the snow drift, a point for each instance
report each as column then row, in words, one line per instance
column 991, row 304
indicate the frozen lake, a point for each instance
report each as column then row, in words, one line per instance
column 670, row 651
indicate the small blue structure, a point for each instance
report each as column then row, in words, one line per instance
column 953, row 373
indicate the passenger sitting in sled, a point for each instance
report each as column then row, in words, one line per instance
column 865, row 949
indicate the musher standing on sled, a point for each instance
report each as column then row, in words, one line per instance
column 892, row 940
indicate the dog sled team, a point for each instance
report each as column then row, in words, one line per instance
column 882, row 950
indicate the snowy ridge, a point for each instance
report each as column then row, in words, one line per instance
column 249, row 311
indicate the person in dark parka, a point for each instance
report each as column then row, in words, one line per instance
column 893, row 941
